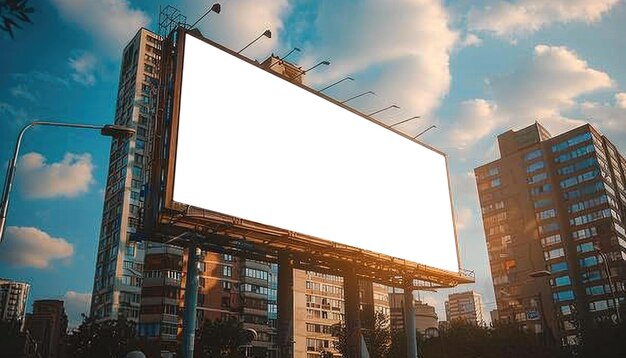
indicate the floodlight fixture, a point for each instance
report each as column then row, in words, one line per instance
column 326, row 63
column 357, row 96
column 424, row 131
column 216, row 8
column 282, row 59
column 336, row 83
column 404, row 121
column 266, row 33
column 384, row 109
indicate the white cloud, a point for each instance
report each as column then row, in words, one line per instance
column 21, row 91
column 406, row 43
column 471, row 40
column 111, row 22
column 240, row 22
column 476, row 119
column 83, row 66
column 543, row 88
column 76, row 303
column 620, row 100
column 506, row 19
column 69, row 178
column 31, row 247
column 609, row 118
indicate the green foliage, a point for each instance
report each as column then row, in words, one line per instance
column 377, row 339
column 104, row 339
column 468, row 341
column 221, row 339
column 12, row 12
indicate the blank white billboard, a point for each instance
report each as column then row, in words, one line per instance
column 254, row 146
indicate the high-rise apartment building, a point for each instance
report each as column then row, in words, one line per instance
column 553, row 211
column 465, row 306
column 13, row 297
column 229, row 287
column 119, row 265
column 318, row 305
column 48, row 326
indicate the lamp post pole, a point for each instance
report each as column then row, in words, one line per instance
column 109, row 130
column 610, row 279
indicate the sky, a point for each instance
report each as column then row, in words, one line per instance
column 474, row 69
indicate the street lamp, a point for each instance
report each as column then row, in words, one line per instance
column 610, row 279
column 108, row 130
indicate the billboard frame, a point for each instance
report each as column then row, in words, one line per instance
column 165, row 218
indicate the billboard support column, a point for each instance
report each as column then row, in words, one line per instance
column 285, row 306
column 353, row 319
column 191, row 301
column 409, row 320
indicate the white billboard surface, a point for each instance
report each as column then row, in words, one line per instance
column 254, row 146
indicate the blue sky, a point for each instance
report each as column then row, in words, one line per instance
column 472, row 68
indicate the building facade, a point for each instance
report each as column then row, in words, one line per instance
column 318, row 305
column 465, row 306
column 119, row 266
column 553, row 213
column 426, row 319
column 13, row 297
column 48, row 326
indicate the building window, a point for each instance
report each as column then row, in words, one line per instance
column 546, row 214
column 561, row 281
column 538, row 190
column 554, row 254
column 571, row 142
column 551, row 240
column 532, row 155
column 130, row 250
column 557, row 267
column 541, row 203
column 588, row 261
column 227, row 271
column 535, row 166
column 563, row 295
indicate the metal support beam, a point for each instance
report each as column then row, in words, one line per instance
column 285, row 306
column 409, row 321
column 191, row 301
column 353, row 319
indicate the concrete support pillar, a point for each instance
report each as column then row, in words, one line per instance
column 191, row 302
column 285, row 306
column 409, row 321
column 353, row 319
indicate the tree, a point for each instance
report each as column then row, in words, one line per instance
column 104, row 339
column 377, row 339
column 465, row 340
column 12, row 12
column 221, row 339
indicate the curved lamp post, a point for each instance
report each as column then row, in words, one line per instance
column 108, row 130
column 607, row 270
